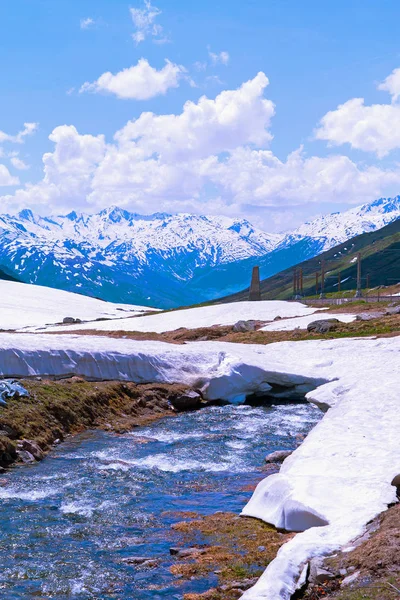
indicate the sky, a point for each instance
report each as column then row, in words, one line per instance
column 272, row 110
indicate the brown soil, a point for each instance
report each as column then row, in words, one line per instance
column 377, row 560
column 57, row 409
column 237, row 549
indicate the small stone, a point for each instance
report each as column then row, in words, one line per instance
column 350, row 579
column 322, row 575
column 278, row 456
column 261, row 548
column 343, row 572
column 393, row 310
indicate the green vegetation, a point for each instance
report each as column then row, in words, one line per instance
column 380, row 262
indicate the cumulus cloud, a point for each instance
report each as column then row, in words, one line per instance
column 233, row 118
column 374, row 128
column 213, row 157
column 145, row 25
column 139, row 82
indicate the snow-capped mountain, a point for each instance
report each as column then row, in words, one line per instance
column 116, row 254
column 166, row 260
column 330, row 230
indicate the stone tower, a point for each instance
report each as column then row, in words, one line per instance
column 255, row 290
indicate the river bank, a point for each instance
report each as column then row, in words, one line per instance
column 56, row 409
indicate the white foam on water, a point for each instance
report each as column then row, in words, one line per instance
column 30, row 496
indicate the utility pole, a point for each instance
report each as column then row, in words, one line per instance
column 339, row 282
column 368, row 281
column 295, row 283
column 316, row 283
column 359, row 290
column 322, row 294
column 301, row 280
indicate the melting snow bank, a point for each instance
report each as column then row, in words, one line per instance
column 340, row 477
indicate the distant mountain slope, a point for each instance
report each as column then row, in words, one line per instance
column 380, row 263
column 7, row 276
column 166, row 260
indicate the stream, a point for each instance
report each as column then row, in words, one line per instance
column 69, row 521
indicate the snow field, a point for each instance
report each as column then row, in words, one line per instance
column 203, row 316
column 24, row 305
column 302, row 322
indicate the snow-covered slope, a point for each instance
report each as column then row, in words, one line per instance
column 202, row 316
column 163, row 260
column 332, row 485
column 24, row 305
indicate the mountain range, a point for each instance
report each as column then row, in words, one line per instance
column 166, row 260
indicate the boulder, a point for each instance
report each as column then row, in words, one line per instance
column 190, row 400
column 278, row 456
column 33, row 448
column 318, row 574
column 25, row 456
column 369, row 316
column 393, row 310
column 71, row 321
column 323, row 326
column 244, row 326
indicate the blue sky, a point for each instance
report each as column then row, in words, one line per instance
column 316, row 55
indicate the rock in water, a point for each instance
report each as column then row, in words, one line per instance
column 323, row 326
column 278, row 456
column 244, row 326
column 190, row 400
column 33, row 448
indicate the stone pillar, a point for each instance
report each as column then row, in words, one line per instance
column 255, row 290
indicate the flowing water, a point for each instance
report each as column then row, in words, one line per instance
column 69, row 522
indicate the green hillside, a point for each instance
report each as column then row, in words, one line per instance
column 380, row 266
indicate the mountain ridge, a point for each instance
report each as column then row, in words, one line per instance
column 167, row 260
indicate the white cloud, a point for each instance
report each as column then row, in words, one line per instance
column 374, row 128
column 6, row 178
column 145, row 26
column 220, row 58
column 29, row 129
column 139, row 82
column 19, row 164
column 234, row 118
column 213, row 157
column 87, row 23
column 392, row 85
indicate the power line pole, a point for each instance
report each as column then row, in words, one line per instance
column 301, row 280
column 316, row 283
column 339, row 282
column 359, row 290
column 295, row 283
column 255, row 288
